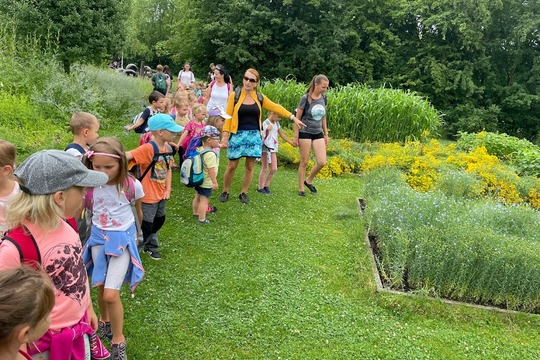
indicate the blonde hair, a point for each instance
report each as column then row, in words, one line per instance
column 111, row 145
column 26, row 298
column 195, row 109
column 40, row 210
column 8, row 153
column 168, row 104
column 82, row 120
column 213, row 120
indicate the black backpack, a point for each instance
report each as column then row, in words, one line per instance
column 238, row 91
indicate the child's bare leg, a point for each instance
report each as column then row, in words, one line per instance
column 195, row 204
column 273, row 169
column 264, row 169
column 103, row 313
column 203, row 205
column 116, row 314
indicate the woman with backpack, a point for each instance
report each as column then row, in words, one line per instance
column 217, row 93
column 312, row 110
column 242, row 132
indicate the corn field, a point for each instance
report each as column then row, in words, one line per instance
column 362, row 114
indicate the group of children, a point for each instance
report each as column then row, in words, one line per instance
column 87, row 194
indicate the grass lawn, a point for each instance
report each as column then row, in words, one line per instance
column 286, row 277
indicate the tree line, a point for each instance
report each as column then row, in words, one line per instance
column 477, row 61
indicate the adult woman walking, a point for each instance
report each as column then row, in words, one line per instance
column 242, row 133
column 186, row 77
column 217, row 94
column 312, row 110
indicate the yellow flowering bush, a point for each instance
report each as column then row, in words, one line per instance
column 422, row 163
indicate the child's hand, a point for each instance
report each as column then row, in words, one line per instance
column 215, row 185
column 295, row 142
column 269, row 127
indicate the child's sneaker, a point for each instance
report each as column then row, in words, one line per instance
column 118, row 351
column 211, row 209
column 205, row 221
column 105, row 330
column 267, row 190
column 97, row 349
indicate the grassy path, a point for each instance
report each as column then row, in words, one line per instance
column 286, row 277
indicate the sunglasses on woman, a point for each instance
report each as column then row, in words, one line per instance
column 251, row 80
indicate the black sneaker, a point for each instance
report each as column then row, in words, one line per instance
column 205, row 221
column 301, row 193
column 243, row 198
column 224, row 196
column 262, row 191
column 267, row 189
column 154, row 254
column 311, row 187
column 118, row 351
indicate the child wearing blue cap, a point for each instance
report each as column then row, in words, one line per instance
column 209, row 138
column 157, row 185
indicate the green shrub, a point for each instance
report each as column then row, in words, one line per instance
column 363, row 114
column 461, row 249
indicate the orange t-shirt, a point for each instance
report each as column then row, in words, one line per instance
column 154, row 183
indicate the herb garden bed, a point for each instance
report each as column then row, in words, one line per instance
column 475, row 252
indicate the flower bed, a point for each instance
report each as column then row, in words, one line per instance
column 466, row 250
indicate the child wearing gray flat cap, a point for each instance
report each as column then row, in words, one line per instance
column 53, row 184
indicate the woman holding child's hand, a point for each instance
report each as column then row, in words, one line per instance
column 242, row 133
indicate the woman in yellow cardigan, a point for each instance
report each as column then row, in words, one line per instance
column 242, row 134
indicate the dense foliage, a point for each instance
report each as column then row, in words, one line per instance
column 476, row 61
column 35, row 110
column 83, row 30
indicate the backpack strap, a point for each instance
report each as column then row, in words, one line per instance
column 238, row 91
column 156, row 157
column 130, row 193
column 77, row 147
column 25, row 243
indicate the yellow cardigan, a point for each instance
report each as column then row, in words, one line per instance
column 231, row 125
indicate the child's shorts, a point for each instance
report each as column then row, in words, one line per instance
column 203, row 191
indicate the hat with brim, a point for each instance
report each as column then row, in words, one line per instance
column 164, row 122
column 49, row 171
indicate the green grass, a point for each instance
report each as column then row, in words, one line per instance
column 286, row 277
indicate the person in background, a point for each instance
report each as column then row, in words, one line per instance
column 186, row 76
column 167, row 72
column 159, row 80
column 8, row 186
column 312, row 110
column 242, row 133
column 85, row 129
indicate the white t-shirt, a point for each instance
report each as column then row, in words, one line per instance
column 271, row 141
column 112, row 211
column 218, row 98
column 186, row 77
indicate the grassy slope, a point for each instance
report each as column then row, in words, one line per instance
column 289, row 277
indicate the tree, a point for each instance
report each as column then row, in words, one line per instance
column 85, row 30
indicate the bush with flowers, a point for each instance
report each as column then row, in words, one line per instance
column 432, row 165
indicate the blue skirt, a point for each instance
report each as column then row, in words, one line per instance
column 245, row 143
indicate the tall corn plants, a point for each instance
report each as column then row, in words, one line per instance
column 364, row 114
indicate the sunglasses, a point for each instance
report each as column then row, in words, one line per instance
column 251, row 80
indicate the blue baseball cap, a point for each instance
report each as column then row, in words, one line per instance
column 164, row 122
